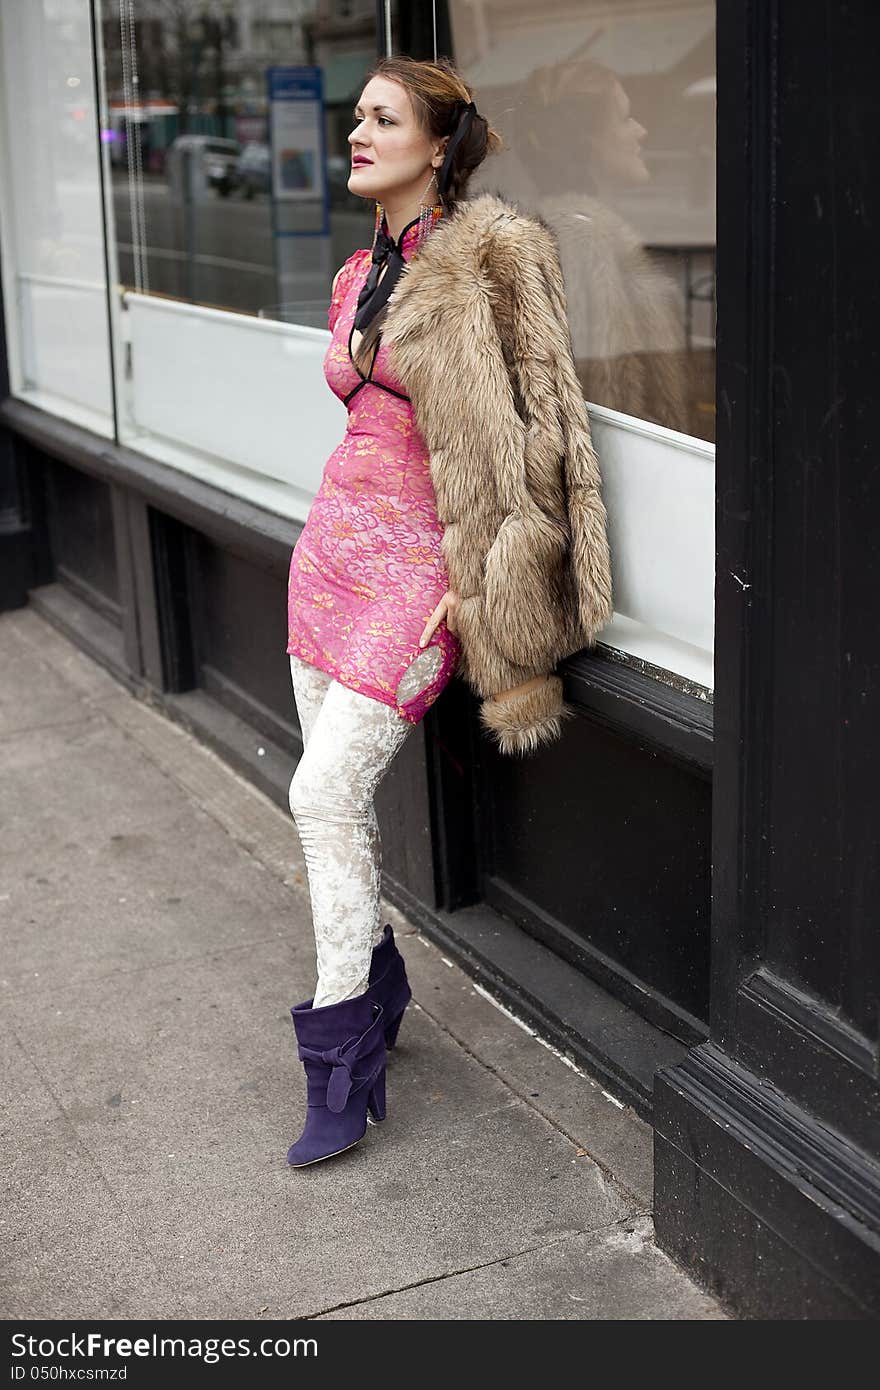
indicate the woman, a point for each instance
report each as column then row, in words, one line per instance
column 458, row 527
column 626, row 312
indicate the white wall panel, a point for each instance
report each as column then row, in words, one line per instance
column 50, row 209
column 659, row 488
column 243, row 390
column 63, row 325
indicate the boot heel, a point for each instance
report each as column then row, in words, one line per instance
column 376, row 1098
column 388, row 984
column 393, row 1029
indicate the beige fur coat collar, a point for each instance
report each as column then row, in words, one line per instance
column 478, row 336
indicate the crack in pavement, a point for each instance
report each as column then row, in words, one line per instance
column 473, row 1269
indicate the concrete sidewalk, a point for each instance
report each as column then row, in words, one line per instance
column 156, row 930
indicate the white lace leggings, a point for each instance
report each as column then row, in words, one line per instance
column 349, row 740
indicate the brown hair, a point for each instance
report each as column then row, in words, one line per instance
column 435, row 91
column 576, row 94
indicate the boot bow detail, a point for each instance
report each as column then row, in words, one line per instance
column 343, row 1058
column 341, row 1077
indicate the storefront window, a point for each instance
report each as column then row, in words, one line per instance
column 227, row 125
column 607, row 110
column 607, row 113
column 55, row 284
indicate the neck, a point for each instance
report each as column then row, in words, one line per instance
column 398, row 218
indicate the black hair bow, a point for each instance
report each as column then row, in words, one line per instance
column 462, row 124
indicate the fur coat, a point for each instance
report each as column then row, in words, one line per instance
column 478, row 336
column 626, row 313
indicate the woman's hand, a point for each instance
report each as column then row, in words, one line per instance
column 447, row 608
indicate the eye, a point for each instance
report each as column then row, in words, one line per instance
column 358, row 119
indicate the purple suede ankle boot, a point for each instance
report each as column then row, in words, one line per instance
column 388, row 984
column 342, row 1047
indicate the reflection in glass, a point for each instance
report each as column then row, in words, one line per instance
column 607, row 110
column 626, row 311
column 203, row 212
column 53, row 250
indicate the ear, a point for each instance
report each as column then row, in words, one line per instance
column 440, row 152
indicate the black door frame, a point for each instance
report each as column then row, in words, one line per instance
column 767, row 1137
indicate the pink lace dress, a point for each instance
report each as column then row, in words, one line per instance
column 367, row 571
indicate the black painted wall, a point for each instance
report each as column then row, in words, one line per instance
column 767, row 1139
column 600, row 848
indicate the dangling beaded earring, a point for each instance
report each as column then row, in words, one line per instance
column 429, row 215
column 380, row 213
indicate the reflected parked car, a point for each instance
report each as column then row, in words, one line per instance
column 219, row 159
column 254, row 174
column 254, row 169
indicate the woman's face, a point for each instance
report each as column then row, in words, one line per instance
column 617, row 147
column 387, row 134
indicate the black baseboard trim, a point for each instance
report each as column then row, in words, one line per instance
column 261, row 720
column 16, row 566
column 97, row 635
column 259, row 536
column 91, row 597
column 660, row 1012
column 639, row 707
column 774, row 1213
column 260, row 759
column 563, row 1006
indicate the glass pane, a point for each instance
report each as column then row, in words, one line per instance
column 53, row 236
column 227, row 125
column 607, row 110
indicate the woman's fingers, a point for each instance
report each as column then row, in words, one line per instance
column 432, row 622
column 447, row 608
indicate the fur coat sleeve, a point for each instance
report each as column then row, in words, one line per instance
column 479, row 338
